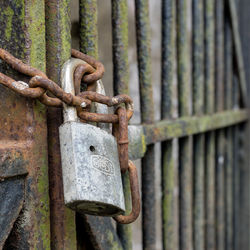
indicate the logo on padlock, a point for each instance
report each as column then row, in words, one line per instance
column 90, row 165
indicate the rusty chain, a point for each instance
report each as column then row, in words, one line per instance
column 89, row 73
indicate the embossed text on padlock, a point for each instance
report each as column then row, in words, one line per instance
column 90, row 165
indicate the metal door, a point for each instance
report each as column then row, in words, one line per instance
column 202, row 131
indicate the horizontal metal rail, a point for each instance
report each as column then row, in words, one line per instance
column 168, row 129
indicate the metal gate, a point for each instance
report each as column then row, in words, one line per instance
column 204, row 150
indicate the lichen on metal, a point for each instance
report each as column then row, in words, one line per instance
column 168, row 170
column 88, row 27
column 143, row 39
column 20, row 36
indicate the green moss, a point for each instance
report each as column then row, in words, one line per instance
column 88, row 27
column 113, row 244
column 8, row 13
column 35, row 23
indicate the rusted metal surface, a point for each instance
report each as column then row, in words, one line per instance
column 39, row 83
column 19, row 66
column 99, row 68
column 58, row 45
column 120, row 131
column 12, row 190
column 108, row 118
column 121, row 85
column 23, row 130
column 135, row 196
column 80, row 71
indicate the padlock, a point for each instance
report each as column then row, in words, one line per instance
column 91, row 172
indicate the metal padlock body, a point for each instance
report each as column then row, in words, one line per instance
column 90, row 165
column 91, row 178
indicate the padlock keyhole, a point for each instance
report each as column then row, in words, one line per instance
column 92, row 148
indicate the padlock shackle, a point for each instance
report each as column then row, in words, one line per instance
column 67, row 82
column 135, row 195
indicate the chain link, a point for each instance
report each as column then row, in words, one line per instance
column 89, row 73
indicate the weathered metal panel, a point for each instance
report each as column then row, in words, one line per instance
column 23, row 129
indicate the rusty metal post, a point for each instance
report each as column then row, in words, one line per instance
column 210, row 136
column 63, row 235
column 121, row 86
column 199, row 139
column 169, row 182
column 147, row 116
column 185, row 143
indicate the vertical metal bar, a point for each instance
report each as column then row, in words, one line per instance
column 169, row 214
column 236, row 171
column 198, row 109
column 88, row 27
column 210, row 137
column 220, row 135
column 229, row 137
column 63, row 235
column 120, row 46
column 240, row 23
column 147, row 116
column 244, row 186
column 238, row 51
column 185, row 144
column 121, row 86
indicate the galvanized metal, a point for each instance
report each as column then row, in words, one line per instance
column 91, row 170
